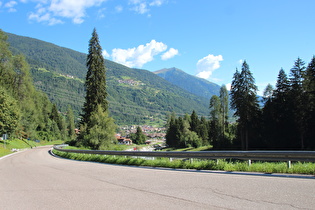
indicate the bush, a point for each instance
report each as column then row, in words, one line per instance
column 231, row 165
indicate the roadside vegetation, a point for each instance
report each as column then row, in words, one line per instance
column 14, row 145
column 222, row 165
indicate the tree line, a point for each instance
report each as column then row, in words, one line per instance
column 24, row 111
column 286, row 120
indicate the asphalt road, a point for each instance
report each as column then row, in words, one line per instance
column 34, row 179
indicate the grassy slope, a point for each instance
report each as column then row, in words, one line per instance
column 153, row 99
column 7, row 147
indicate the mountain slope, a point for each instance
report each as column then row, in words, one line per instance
column 135, row 95
column 192, row 84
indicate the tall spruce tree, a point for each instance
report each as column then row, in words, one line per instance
column 283, row 128
column 297, row 99
column 244, row 101
column 95, row 82
column 172, row 133
column 97, row 128
column 309, row 87
column 194, row 121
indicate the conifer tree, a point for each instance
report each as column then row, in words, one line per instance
column 97, row 129
column 309, row 86
column 297, row 98
column 95, row 82
column 138, row 137
column 172, row 133
column 244, row 101
column 194, row 121
column 309, row 80
column 282, row 87
column 281, row 117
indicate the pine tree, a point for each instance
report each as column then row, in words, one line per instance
column 280, row 94
column 172, row 133
column 95, row 82
column 297, row 98
column 244, row 101
column 309, row 87
column 194, row 121
column 282, row 128
column 97, row 128
column 138, row 137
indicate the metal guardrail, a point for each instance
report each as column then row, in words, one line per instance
column 304, row 156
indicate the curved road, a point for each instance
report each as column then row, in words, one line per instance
column 34, row 179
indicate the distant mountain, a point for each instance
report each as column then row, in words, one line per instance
column 135, row 96
column 192, row 84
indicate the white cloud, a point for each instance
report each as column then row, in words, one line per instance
column 169, row 54
column 207, row 65
column 56, row 9
column 156, row 3
column 138, row 56
column 143, row 6
column 10, row 5
column 139, row 6
column 42, row 16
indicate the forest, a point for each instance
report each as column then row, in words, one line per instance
column 285, row 121
column 26, row 112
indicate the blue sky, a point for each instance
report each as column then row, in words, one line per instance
column 202, row 37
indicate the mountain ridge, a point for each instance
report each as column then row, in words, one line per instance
column 135, row 95
column 195, row 85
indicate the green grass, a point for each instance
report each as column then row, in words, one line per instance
column 224, row 165
column 116, row 147
column 192, row 149
column 7, row 146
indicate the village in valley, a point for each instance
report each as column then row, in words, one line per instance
column 155, row 135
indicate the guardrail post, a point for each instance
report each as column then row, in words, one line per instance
column 289, row 163
column 171, row 159
column 249, row 162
